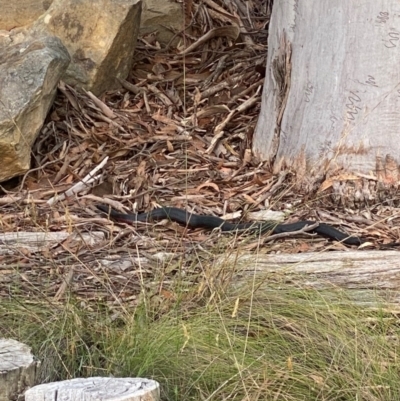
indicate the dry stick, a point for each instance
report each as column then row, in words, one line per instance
column 146, row 103
column 130, row 87
column 220, row 86
column 113, row 203
column 220, row 9
column 246, row 91
column 219, row 130
column 62, row 170
column 65, row 284
column 6, row 200
column 164, row 98
column 36, row 169
column 81, row 185
column 215, row 89
column 304, row 230
column 67, row 93
column 275, row 187
column 212, row 110
column 231, row 31
column 217, row 72
column 101, row 105
column 105, row 118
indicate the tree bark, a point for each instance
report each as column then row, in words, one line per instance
column 331, row 96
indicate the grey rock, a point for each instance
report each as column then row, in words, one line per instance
column 29, row 74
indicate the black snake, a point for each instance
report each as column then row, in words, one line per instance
column 198, row 221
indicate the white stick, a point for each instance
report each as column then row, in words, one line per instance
column 81, row 185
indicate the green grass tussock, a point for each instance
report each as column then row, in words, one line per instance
column 248, row 344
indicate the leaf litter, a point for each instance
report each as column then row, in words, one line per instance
column 178, row 133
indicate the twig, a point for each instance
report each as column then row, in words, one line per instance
column 101, row 105
column 304, row 230
column 81, row 185
column 231, row 31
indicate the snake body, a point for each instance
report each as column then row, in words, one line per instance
column 210, row 222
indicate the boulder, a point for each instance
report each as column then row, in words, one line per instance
column 97, row 37
column 100, row 37
column 163, row 18
column 22, row 12
column 30, row 70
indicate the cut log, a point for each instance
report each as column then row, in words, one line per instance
column 97, row 388
column 17, row 369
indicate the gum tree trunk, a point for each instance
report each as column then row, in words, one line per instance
column 331, row 101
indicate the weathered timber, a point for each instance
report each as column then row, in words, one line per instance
column 17, row 369
column 35, row 241
column 97, row 388
column 348, row 270
column 353, row 269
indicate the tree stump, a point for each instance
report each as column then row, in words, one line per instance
column 17, row 369
column 331, row 94
column 97, row 388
